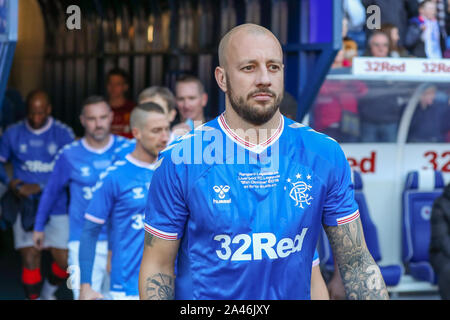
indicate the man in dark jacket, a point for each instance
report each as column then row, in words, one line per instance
column 440, row 242
column 425, row 38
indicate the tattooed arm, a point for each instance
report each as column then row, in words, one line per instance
column 360, row 274
column 156, row 275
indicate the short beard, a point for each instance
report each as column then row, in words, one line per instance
column 252, row 114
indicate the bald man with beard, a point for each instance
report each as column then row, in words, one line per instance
column 243, row 221
column 31, row 146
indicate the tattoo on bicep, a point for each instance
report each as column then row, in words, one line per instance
column 360, row 274
column 160, row 287
column 148, row 239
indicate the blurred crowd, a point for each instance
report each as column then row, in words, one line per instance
column 408, row 28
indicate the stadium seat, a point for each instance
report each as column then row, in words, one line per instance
column 391, row 273
column 421, row 189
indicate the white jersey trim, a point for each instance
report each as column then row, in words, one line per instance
column 139, row 163
column 94, row 219
column 256, row 148
column 347, row 219
column 160, row 234
column 98, row 151
column 45, row 128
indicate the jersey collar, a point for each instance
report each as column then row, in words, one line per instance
column 39, row 131
column 98, row 151
column 139, row 163
column 256, row 148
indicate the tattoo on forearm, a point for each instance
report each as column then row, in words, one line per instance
column 359, row 272
column 160, row 287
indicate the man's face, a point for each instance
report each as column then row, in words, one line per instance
column 190, row 101
column 38, row 112
column 254, row 76
column 116, row 86
column 428, row 96
column 428, row 11
column 96, row 120
column 153, row 134
column 379, row 46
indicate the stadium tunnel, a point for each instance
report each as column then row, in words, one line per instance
column 155, row 41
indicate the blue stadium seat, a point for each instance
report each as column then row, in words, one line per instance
column 421, row 189
column 391, row 273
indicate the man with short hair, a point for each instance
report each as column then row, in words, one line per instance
column 117, row 85
column 241, row 214
column 161, row 96
column 191, row 101
column 31, row 146
column 119, row 200
column 77, row 169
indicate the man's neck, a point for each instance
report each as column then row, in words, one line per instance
column 140, row 154
column 248, row 131
column 117, row 102
column 95, row 144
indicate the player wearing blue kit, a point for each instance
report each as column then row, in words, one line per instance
column 239, row 202
column 120, row 200
column 77, row 169
column 31, row 146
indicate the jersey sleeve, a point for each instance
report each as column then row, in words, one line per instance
column 340, row 206
column 5, row 146
column 166, row 211
column 316, row 259
column 55, row 186
column 103, row 197
column 67, row 136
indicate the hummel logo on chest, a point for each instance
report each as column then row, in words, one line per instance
column 221, row 192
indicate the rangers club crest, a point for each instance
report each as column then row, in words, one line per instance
column 300, row 191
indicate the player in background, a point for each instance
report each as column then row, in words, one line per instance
column 77, row 169
column 163, row 97
column 120, row 199
column 191, row 102
column 117, row 85
column 31, row 146
column 245, row 216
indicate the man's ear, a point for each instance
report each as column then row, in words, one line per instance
column 136, row 133
column 172, row 114
column 221, row 78
column 204, row 99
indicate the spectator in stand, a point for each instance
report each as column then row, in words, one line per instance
column 379, row 121
column 397, row 12
column 355, row 12
column 396, row 50
column 430, row 121
column 335, row 112
column 117, row 84
column 424, row 37
column 442, row 15
column 349, row 47
column 440, row 242
column 378, row 45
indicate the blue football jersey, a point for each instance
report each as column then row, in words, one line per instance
column 77, row 167
column 120, row 199
column 32, row 153
column 248, row 216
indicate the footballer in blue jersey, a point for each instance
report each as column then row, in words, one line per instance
column 239, row 202
column 120, row 198
column 31, row 146
column 76, row 171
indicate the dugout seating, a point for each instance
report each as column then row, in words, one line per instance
column 421, row 189
column 391, row 273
